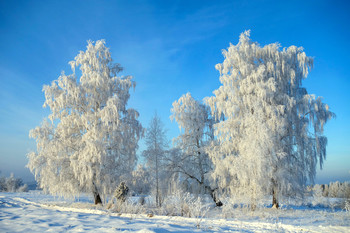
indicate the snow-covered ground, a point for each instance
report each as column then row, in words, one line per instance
column 36, row 212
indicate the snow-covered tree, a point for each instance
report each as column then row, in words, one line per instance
column 12, row 184
column 121, row 192
column 155, row 154
column 196, row 126
column 271, row 137
column 337, row 189
column 334, row 188
column 89, row 141
column 140, row 180
column 2, row 184
column 317, row 193
column 325, row 190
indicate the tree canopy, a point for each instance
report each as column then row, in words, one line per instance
column 89, row 140
column 271, row 135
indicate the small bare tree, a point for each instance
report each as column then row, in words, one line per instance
column 155, row 153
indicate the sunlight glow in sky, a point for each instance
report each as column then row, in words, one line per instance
column 171, row 48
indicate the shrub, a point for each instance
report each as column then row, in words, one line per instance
column 12, row 184
column 121, row 192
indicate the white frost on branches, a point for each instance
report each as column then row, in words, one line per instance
column 90, row 138
column 271, row 137
column 196, row 126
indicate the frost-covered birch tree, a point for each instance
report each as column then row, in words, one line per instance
column 196, row 126
column 141, row 180
column 89, row 141
column 155, row 154
column 271, row 138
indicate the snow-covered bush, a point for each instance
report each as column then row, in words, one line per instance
column 177, row 204
column 120, row 202
column 333, row 189
column 325, row 190
column 2, row 184
column 347, row 205
column 199, row 209
column 121, row 192
column 126, row 207
column 318, row 197
column 23, row 188
column 180, row 203
column 344, row 190
column 12, row 184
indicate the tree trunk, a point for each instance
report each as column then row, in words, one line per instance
column 158, row 202
column 97, row 198
column 274, row 200
column 213, row 195
column 201, row 182
column 274, row 193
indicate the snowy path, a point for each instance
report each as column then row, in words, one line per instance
column 18, row 214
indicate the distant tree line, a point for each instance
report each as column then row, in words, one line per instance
column 333, row 189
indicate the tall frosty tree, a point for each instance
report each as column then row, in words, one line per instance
column 271, row 138
column 155, row 155
column 196, row 127
column 89, row 140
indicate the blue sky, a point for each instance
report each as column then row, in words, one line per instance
column 171, row 48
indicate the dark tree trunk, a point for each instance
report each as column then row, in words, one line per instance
column 274, row 193
column 274, row 200
column 97, row 198
column 213, row 195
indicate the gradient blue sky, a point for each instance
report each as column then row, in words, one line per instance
column 171, row 48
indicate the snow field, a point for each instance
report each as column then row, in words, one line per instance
column 35, row 212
